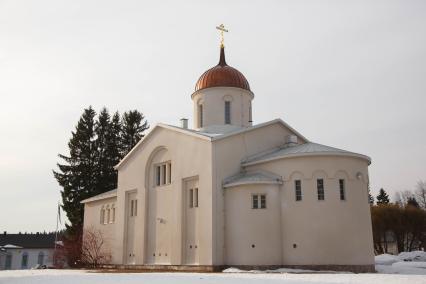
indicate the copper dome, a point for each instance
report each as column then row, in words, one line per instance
column 222, row 75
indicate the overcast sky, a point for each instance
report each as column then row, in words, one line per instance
column 349, row 74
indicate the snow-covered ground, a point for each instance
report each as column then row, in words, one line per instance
column 404, row 268
column 405, row 263
column 85, row 277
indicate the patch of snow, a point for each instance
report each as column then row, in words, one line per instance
column 9, row 246
column 409, row 263
column 412, row 256
column 386, row 259
column 280, row 270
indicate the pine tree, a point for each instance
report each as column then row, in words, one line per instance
column 113, row 151
column 94, row 149
column 76, row 175
column 133, row 128
column 370, row 198
column 103, row 171
column 382, row 197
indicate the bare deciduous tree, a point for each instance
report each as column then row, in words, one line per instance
column 420, row 193
column 94, row 250
column 402, row 197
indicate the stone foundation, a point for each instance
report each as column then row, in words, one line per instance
column 219, row 268
column 331, row 267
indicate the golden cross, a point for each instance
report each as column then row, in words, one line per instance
column 222, row 29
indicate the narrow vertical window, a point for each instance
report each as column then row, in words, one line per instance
column 263, row 201
column 195, row 197
column 164, row 174
column 255, row 201
column 191, row 198
column 102, row 215
column 298, row 190
column 200, row 116
column 8, row 264
column 108, row 215
column 40, row 258
column 113, row 214
column 158, row 175
column 227, row 112
column 320, row 189
column 169, row 173
column 135, row 208
column 342, row 189
column 24, row 262
column 131, row 208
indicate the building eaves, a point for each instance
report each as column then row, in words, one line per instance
column 166, row 126
column 251, row 178
column 105, row 195
column 306, row 149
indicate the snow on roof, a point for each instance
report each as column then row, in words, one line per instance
column 105, row 195
column 9, row 246
column 306, row 149
column 254, row 177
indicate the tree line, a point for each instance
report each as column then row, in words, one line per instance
column 97, row 144
column 402, row 222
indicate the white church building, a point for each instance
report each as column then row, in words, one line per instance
column 229, row 192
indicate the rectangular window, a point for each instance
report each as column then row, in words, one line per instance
column 24, row 262
column 298, row 189
column 109, row 215
column 320, row 189
column 113, row 214
column 133, row 208
column 164, row 174
column 258, row 201
column 191, row 198
column 342, row 189
column 200, row 116
column 227, row 112
column 263, row 201
column 8, row 264
column 158, row 176
column 169, row 172
column 255, row 201
column 102, row 216
column 195, row 197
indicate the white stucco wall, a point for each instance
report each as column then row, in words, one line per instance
column 33, row 254
column 227, row 156
column 330, row 231
column 213, row 101
column 92, row 221
column 190, row 157
column 252, row 236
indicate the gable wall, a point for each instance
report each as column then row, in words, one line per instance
column 190, row 156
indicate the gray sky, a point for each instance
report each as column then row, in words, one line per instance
column 349, row 74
